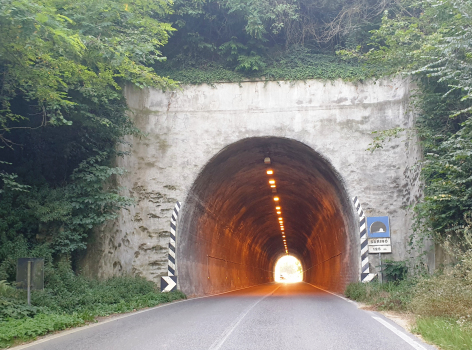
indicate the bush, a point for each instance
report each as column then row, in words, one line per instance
column 443, row 295
column 384, row 296
column 395, row 270
column 27, row 328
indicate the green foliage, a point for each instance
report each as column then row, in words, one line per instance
column 384, row 296
column 234, row 40
column 25, row 329
column 449, row 334
column 52, row 51
column 297, row 64
column 394, row 270
column 381, row 137
column 62, row 114
column 431, row 41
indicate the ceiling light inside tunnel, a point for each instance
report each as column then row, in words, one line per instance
column 279, row 212
column 272, row 182
column 276, row 199
column 277, row 208
column 270, row 172
column 273, row 186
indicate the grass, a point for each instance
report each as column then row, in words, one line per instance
column 447, row 333
column 69, row 301
column 395, row 296
column 442, row 305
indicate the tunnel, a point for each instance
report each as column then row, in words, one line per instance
column 230, row 235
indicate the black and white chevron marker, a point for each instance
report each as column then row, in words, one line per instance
column 169, row 283
column 366, row 276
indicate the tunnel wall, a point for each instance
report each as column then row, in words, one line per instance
column 185, row 129
column 229, row 232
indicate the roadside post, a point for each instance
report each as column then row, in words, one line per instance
column 30, row 275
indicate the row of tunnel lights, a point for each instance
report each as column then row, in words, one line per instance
column 278, row 210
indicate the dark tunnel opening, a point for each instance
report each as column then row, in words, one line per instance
column 229, row 236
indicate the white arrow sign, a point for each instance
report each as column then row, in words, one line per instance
column 168, row 283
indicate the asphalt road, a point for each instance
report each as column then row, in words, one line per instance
column 272, row 316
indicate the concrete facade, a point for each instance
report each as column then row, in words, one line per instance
column 185, row 129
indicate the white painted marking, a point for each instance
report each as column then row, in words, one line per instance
column 362, row 227
column 369, row 278
column 83, row 328
column 402, row 335
column 366, row 248
column 171, row 264
column 336, row 295
column 170, row 273
column 170, row 282
column 222, row 338
column 171, row 253
column 365, row 262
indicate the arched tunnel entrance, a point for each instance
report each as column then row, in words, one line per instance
column 229, row 235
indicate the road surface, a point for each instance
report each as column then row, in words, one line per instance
column 272, row 316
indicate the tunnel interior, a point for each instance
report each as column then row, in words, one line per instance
column 229, row 233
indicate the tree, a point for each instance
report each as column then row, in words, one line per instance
column 431, row 41
column 62, row 112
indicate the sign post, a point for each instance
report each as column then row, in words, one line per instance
column 30, row 275
column 379, row 241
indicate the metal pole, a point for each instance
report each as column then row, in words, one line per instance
column 380, row 272
column 28, row 283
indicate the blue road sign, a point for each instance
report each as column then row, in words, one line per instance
column 378, row 227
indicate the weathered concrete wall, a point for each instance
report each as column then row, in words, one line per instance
column 185, row 129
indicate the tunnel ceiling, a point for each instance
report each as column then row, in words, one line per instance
column 230, row 212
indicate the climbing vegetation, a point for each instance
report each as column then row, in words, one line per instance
column 430, row 41
column 234, row 40
column 63, row 66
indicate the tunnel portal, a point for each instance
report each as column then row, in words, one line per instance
column 229, row 235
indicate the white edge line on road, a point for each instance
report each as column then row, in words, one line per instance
column 336, row 295
column 222, row 338
column 400, row 334
column 49, row 337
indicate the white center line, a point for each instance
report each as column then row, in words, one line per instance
column 400, row 334
column 222, row 338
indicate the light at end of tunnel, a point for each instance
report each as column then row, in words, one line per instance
column 276, row 199
column 270, row 172
column 277, row 208
column 272, row 182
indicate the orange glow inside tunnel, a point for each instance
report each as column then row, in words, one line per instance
column 231, row 232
